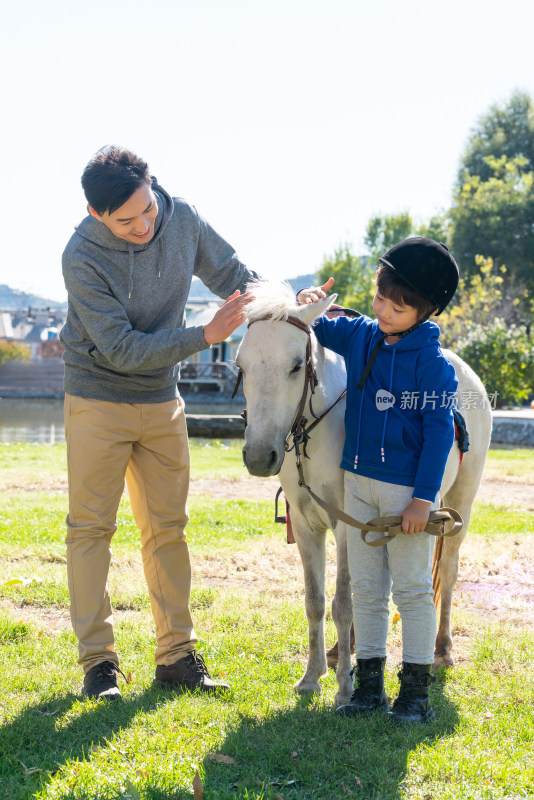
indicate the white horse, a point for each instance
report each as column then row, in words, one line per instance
column 272, row 358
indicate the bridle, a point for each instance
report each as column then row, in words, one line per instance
column 300, row 434
column 299, row 431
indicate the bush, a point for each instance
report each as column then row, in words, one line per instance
column 502, row 355
column 483, row 297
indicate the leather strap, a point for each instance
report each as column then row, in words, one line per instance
column 390, row 526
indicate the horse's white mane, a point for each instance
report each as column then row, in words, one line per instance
column 275, row 299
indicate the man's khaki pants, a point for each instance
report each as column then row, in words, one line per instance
column 146, row 443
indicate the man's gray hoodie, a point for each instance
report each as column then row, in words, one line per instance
column 125, row 331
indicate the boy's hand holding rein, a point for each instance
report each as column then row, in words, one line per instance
column 415, row 516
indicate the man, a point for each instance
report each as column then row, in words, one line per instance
column 128, row 270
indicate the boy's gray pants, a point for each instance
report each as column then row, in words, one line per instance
column 404, row 566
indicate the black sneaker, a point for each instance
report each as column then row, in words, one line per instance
column 190, row 672
column 100, row 683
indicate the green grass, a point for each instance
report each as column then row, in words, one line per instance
column 149, row 747
column 490, row 519
column 506, row 462
column 216, row 459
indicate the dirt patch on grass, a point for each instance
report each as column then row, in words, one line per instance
column 496, row 580
column 507, row 490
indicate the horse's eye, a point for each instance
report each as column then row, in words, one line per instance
column 296, row 368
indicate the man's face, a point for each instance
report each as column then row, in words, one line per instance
column 134, row 220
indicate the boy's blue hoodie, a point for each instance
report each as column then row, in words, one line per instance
column 399, row 427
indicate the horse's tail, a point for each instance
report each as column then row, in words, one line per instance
column 436, row 558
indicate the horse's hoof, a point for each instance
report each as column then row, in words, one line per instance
column 443, row 660
column 306, row 687
column 342, row 699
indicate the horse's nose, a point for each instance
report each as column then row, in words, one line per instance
column 262, row 464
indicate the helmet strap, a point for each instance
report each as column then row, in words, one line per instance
column 402, row 334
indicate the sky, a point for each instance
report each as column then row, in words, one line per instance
column 287, row 123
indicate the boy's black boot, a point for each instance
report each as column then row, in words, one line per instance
column 413, row 702
column 369, row 694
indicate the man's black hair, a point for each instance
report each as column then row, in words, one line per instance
column 111, row 177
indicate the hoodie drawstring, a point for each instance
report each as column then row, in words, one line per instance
column 131, row 264
column 130, row 269
column 382, row 451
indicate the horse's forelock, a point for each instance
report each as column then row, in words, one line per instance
column 274, row 299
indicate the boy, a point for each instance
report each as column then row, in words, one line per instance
column 128, row 270
column 399, row 431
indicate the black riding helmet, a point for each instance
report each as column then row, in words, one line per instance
column 430, row 270
column 427, row 267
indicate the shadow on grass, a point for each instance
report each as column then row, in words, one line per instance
column 32, row 748
column 302, row 753
column 309, row 752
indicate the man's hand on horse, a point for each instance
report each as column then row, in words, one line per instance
column 227, row 318
column 314, row 293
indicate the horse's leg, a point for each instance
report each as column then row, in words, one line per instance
column 342, row 615
column 332, row 655
column 311, row 544
column 460, row 497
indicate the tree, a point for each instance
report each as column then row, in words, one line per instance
column 436, row 228
column 495, row 217
column 481, row 298
column 493, row 204
column 505, row 130
column 385, row 231
column 13, row 351
column 354, row 280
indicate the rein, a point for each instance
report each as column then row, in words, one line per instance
column 300, row 433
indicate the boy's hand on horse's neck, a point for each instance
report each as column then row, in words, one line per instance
column 415, row 516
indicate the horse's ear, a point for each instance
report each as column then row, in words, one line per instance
column 307, row 313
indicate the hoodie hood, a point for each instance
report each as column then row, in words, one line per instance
column 97, row 233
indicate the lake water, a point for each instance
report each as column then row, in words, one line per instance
column 36, row 421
